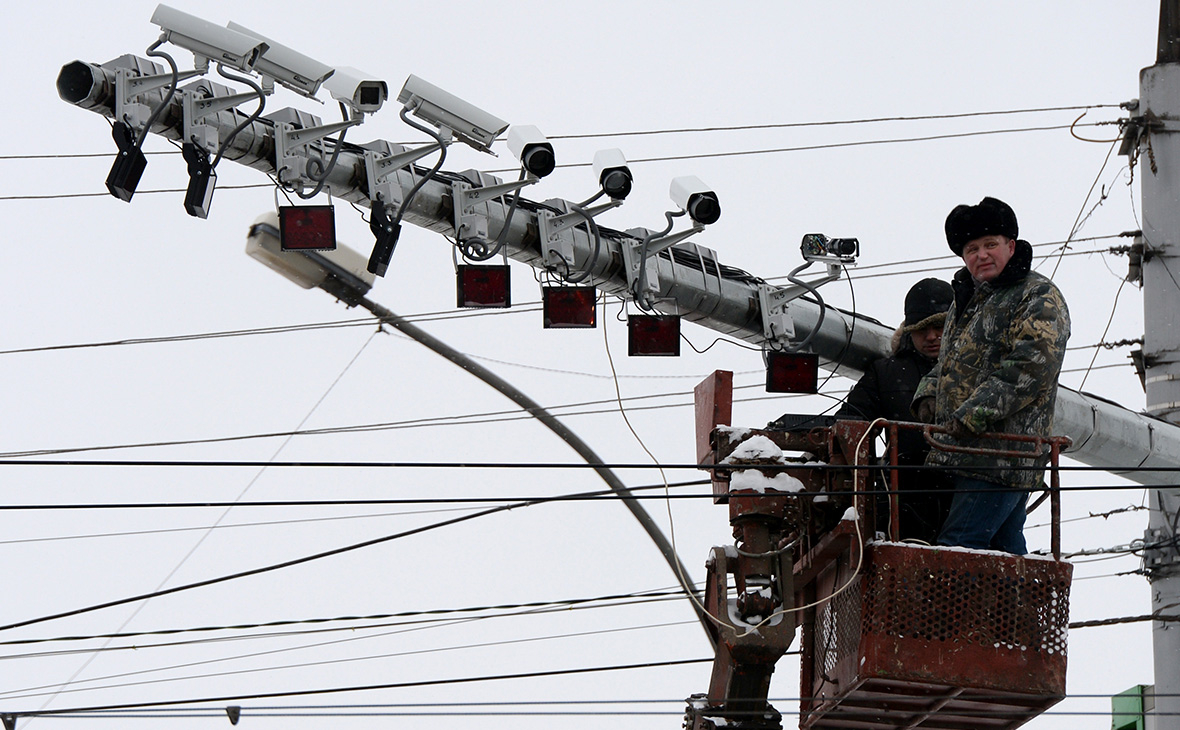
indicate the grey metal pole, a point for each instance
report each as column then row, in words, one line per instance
column 1159, row 165
column 539, row 412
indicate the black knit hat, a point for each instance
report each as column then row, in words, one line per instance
column 926, row 304
column 969, row 222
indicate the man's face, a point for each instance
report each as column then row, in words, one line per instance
column 987, row 256
column 928, row 340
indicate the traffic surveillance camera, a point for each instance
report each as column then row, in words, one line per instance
column 362, row 93
column 610, row 166
column 818, row 247
column 287, row 66
column 535, row 153
column 696, row 199
column 208, row 41
column 470, row 124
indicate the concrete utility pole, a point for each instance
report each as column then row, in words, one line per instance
column 1157, row 127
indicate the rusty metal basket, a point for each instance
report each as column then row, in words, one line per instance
column 937, row 638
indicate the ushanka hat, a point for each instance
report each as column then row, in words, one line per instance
column 926, row 304
column 969, row 222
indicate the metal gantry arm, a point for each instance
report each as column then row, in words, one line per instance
column 701, row 293
column 690, row 281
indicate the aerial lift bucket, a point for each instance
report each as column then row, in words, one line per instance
column 898, row 635
column 937, row 637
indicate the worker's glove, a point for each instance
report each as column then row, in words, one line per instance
column 957, row 430
column 924, row 409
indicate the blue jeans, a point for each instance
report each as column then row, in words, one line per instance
column 985, row 516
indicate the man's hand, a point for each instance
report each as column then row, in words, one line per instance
column 924, row 409
column 957, row 430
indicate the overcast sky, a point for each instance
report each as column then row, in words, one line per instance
column 85, row 268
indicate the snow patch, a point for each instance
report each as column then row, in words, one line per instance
column 975, row 551
column 755, row 481
column 755, row 447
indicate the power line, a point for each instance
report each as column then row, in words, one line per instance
column 282, row 565
column 860, row 143
column 401, row 626
column 952, row 266
column 157, row 710
column 1123, row 620
column 662, row 158
column 29, row 692
column 602, row 495
column 830, row 146
column 268, row 523
column 269, row 568
column 1098, row 367
column 361, row 688
column 541, row 465
column 218, row 711
column 67, row 196
column 281, row 329
column 830, row 123
column 486, row 417
column 526, row 307
column 77, row 155
column 685, row 130
column 563, row 604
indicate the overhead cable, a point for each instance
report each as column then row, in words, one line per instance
column 357, row 688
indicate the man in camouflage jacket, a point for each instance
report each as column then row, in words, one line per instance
column 1002, row 350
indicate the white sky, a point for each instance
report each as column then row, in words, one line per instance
column 94, row 269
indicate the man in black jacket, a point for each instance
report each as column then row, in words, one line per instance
column 886, row 390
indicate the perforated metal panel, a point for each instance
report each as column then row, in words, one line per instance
column 978, row 604
column 934, row 638
column 837, row 631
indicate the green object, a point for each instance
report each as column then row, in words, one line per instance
column 1127, row 708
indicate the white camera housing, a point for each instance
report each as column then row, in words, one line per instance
column 208, row 41
column 532, row 149
column 693, row 196
column 289, row 67
column 610, row 167
column 468, row 123
column 362, row 93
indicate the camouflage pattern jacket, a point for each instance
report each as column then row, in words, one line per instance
column 1002, row 349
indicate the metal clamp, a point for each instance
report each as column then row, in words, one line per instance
column 196, row 109
column 469, row 221
column 777, row 324
column 130, row 86
column 291, row 144
column 635, row 262
column 382, row 166
column 556, row 230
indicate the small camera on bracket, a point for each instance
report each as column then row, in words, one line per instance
column 818, row 247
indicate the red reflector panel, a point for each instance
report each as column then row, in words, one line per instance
column 483, row 286
column 307, row 228
column 791, row 372
column 569, row 306
column 655, row 335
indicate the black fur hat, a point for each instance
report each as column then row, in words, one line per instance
column 968, row 222
column 926, row 304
